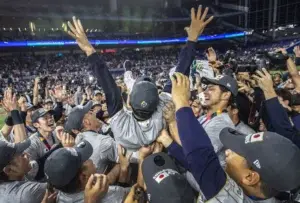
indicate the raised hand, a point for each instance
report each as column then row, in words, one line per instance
column 198, row 23
column 49, row 197
column 164, row 138
column 59, row 94
column 180, row 90
column 78, row 33
column 123, row 158
column 10, row 100
column 96, row 188
column 66, row 139
column 169, row 112
column 297, row 51
column 265, row 82
column 145, row 151
column 211, row 55
column 244, row 88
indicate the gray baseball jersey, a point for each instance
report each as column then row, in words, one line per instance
column 104, row 149
column 213, row 127
column 115, row 194
column 233, row 193
column 22, row 192
column 133, row 134
column 37, row 148
column 245, row 129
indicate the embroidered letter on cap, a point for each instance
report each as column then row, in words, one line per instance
column 257, row 164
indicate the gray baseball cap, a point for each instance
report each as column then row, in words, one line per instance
column 75, row 118
column 223, row 80
column 9, row 150
column 273, row 156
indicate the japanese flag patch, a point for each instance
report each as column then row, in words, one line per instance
column 161, row 175
column 257, row 137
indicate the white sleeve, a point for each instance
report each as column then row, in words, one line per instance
column 128, row 79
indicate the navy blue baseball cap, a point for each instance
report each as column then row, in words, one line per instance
column 164, row 182
column 273, row 156
column 63, row 164
column 144, row 97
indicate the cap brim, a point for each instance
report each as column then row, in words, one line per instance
column 208, row 81
column 22, row 146
column 84, row 149
column 86, row 108
column 233, row 140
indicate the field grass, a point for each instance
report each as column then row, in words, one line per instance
column 2, row 117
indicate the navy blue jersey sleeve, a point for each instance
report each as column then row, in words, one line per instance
column 202, row 160
column 175, row 150
column 278, row 118
column 106, row 81
column 186, row 57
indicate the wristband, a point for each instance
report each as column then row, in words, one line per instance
column 16, row 118
column 297, row 61
column 9, row 121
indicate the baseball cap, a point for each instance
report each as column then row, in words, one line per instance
column 30, row 107
column 144, row 96
column 63, row 164
column 97, row 92
column 295, row 101
column 40, row 113
column 75, row 118
column 48, row 101
column 273, row 156
column 223, row 80
column 9, row 150
column 162, row 177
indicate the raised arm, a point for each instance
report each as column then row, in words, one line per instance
column 199, row 152
column 104, row 78
column 11, row 103
column 187, row 54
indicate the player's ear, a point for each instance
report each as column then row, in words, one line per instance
column 251, row 178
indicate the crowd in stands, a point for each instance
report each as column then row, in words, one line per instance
column 157, row 131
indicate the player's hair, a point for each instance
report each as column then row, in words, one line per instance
column 267, row 190
column 3, row 177
column 231, row 98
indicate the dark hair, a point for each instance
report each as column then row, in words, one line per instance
column 285, row 94
column 231, row 98
column 3, row 177
column 267, row 190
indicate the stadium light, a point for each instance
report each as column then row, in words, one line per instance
column 87, row 30
column 19, row 29
column 10, row 29
column 4, row 28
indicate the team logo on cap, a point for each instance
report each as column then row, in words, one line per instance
column 161, row 175
column 258, row 137
column 144, row 104
column 228, row 85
